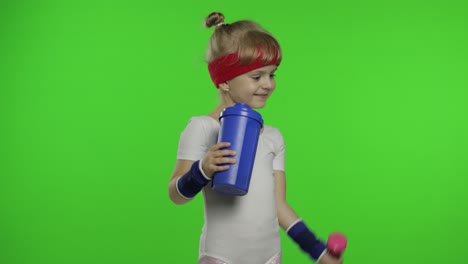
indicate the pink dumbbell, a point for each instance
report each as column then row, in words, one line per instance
column 336, row 244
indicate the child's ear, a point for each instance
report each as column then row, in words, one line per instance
column 224, row 86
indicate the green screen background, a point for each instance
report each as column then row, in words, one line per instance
column 371, row 99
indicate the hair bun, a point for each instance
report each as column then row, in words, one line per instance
column 214, row 19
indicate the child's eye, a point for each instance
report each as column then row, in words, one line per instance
column 256, row 77
column 272, row 75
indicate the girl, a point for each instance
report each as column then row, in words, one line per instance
column 242, row 59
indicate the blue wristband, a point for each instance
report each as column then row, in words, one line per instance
column 191, row 182
column 306, row 240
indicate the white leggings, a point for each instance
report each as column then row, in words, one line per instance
column 276, row 259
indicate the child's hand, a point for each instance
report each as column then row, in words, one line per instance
column 329, row 259
column 216, row 156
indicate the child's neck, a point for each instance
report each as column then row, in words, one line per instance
column 217, row 111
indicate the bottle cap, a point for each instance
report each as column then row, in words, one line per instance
column 242, row 109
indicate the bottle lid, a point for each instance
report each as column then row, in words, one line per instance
column 242, row 109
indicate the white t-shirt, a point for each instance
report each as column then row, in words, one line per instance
column 238, row 229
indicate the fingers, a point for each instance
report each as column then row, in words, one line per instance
column 216, row 168
column 340, row 260
column 218, row 164
column 225, row 161
column 220, row 145
column 218, row 158
column 225, row 152
column 218, row 150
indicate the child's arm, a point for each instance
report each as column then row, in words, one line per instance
column 286, row 214
column 181, row 167
column 189, row 177
column 290, row 222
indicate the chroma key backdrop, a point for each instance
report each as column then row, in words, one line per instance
column 371, row 98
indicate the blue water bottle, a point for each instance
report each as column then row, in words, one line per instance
column 241, row 126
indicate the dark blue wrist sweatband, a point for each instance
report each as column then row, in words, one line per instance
column 191, row 182
column 306, row 240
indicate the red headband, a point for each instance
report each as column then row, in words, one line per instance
column 227, row 67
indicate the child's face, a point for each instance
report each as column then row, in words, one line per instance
column 252, row 88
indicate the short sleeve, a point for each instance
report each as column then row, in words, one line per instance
column 192, row 142
column 278, row 160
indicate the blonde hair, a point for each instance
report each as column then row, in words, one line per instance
column 245, row 37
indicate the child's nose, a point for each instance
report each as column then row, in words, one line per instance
column 268, row 84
